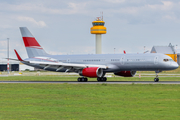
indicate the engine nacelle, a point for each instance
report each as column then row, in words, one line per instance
column 126, row 73
column 92, row 72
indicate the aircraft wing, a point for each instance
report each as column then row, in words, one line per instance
column 61, row 65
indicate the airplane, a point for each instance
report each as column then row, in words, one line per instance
column 93, row 65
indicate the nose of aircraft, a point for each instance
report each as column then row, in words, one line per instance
column 174, row 65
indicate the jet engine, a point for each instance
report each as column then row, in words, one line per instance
column 126, row 73
column 92, row 72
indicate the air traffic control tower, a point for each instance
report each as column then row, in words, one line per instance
column 98, row 29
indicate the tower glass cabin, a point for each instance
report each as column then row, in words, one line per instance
column 98, row 29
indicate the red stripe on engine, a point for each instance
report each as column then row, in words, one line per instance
column 30, row 42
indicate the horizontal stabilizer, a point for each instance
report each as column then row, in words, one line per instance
column 12, row 59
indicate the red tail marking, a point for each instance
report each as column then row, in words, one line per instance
column 124, row 52
column 19, row 58
column 31, row 42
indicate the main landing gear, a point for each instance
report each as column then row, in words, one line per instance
column 156, row 79
column 101, row 79
column 82, row 79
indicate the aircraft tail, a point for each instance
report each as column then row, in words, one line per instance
column 33, row 48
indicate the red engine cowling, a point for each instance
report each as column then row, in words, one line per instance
column 126, row 73
column 92, row 72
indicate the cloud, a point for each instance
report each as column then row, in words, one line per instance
column 3, row 50
column 115, row 1
column 31, row 20
column 3, row 43
column 167, row 5
column 3, row 55
column 70, row 20
column 55, row 53
column 70, row 8
column 169, row 17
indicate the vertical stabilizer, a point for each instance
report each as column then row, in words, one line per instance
column 33, row 48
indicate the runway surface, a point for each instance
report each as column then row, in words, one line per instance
column 94, row 82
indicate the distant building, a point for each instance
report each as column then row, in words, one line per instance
column 178, row 58
column 14, row 66
column 168, row 50
column 24, row 67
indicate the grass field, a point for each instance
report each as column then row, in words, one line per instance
column 56, row 76
column 73, row 78
column 89, row 102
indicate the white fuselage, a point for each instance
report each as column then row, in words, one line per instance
column 114, row 62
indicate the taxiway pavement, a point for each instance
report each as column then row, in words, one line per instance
column 94, row 82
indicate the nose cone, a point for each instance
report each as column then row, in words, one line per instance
column 174, row 65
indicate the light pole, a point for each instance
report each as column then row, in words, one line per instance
column 176, row 53
column 8, row 55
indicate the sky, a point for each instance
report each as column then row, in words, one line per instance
column 63, row 26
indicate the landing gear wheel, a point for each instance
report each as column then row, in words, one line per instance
column 156, row 79
column 79, row 79
column 82, row 79
column 98, row 79
column 104, row 79
column 101, row 79
column 85, row 79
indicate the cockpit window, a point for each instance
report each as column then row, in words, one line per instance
column 171, row 60
column 166, row 60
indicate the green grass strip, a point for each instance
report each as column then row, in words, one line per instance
column 89, row 102
column 60, row 78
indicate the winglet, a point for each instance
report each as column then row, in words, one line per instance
column 19, row 58
column 124, row 52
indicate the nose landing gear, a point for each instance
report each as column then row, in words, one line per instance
column 156, row 79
